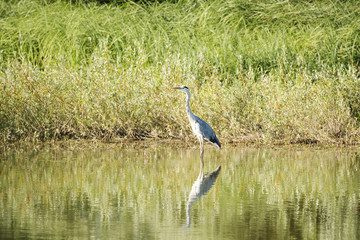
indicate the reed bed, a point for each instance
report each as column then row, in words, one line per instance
column 262, row 72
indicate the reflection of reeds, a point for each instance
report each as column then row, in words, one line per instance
column 262, row 72
column 304, row 192
column 312, row 193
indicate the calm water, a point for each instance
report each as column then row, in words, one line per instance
column 155, row 193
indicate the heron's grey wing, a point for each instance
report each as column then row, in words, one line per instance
column 207, row 132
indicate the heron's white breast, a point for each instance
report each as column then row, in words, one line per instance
column 196, row 129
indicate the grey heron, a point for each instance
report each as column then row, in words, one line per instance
column 201, row 129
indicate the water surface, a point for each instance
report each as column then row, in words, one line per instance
column 155, row 193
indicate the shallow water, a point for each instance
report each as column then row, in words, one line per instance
column 155, row 193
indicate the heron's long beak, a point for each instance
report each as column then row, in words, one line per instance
column 176, row 87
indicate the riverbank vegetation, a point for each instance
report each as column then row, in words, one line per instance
column 276, row 72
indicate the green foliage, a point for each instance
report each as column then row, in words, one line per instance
column 271, row 71
column 225, row 33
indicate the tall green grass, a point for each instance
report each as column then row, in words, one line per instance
column 273, row 72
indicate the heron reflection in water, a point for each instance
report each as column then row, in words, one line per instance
column 201, row 186
column 201, row 129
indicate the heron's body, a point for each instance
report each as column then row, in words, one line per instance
column 201, row 129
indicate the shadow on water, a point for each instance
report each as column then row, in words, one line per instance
column 201, row 186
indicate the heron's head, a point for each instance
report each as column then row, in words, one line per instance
column 182, row 88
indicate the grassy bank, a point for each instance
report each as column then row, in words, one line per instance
column 275, row 72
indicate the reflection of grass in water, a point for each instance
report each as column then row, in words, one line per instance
column 313, row 191
column 134, row 185
column 309, row 193
column 306, row 171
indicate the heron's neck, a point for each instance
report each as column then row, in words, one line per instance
column 187, row 105
column 188, row 217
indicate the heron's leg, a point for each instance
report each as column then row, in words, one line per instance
column 201, row 157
